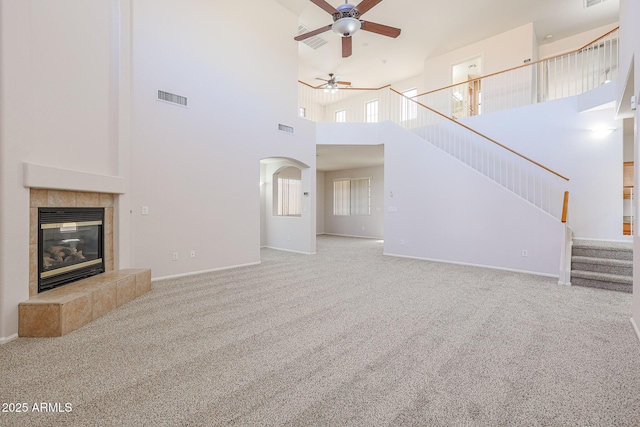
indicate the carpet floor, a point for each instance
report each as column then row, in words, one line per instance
column 346, row 337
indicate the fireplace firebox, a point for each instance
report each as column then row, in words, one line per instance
column 70, row 245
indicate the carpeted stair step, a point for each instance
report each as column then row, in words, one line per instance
column 593, row 279
column 619, row 267
column 598, row 249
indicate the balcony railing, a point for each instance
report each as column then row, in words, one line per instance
column 433, row 115
column 523, row 176
column 552, row 78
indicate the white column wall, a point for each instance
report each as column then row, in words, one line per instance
column 198, row 168
column 58, row 109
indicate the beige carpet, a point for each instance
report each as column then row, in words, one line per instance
column 346, row 337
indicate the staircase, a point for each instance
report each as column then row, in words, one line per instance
column 603, row 265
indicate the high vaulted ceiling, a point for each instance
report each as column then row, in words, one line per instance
column 431, row 28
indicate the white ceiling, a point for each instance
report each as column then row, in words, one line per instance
column 430, row 29
column 339, row 157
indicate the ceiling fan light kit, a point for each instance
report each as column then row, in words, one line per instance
column 346, row 27
column 346, row 22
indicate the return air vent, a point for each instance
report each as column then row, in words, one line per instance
column 172, row 98
column 314, row 42
column 589, row 3
column 285, row 128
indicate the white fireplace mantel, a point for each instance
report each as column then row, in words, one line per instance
column 38, row 176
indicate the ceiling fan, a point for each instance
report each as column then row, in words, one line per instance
column 331, row 85
column 346, row 22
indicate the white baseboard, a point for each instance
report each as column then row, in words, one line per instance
column 289, row 250
column 4, row 340
column 513, row 270
column 353, row 235
column 193, row 273
column 635, row 327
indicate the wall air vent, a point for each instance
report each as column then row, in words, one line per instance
column 589, row 3
column 314, row 42
column 285, row 128
column 172, row 98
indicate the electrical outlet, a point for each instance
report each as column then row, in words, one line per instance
column 402, row 242
column 145, row 210
column 193, row 254
column 174, row 256
column 525, row 252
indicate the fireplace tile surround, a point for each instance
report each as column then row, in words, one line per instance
column 63, row 198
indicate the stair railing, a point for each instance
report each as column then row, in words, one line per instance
column 560, row 76
column 534, row 182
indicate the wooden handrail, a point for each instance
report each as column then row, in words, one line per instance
column 482, row 135
column 565, row 206
column 530, row 64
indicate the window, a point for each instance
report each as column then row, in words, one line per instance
column 289, row 201
column 341, row 116
column 352, row 196
column 302, row 112
column 371, row 111
column 409, row 108
column 287, row 190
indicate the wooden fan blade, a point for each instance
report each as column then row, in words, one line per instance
column 365, row 5
column 347, row 47
column 344, row 83
column 312, row 33
column 325, row 6
column 380, row 29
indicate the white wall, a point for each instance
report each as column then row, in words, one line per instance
column 357, row 225
column 320, row 179
column 560, row 137
column 569, row 44
column 630, row 67
column 291, row 233
column 72, row 100
column 437, row 208
column 498, row 53
column 198, row 168
column 58, row 108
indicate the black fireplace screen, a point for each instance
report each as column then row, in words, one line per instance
column 70, row 244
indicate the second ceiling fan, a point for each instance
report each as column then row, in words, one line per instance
column 346, row 21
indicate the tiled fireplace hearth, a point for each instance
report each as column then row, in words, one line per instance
column 67, row 307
